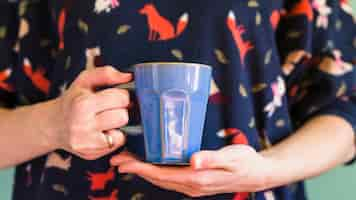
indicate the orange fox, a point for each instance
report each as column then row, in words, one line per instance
column 274, row 18
column 61, row 23
column 238, row 137
column 241, row 196
column 303, row 7
column 37, row 77
column 4, row 75
column 113, row 196
column 237, row 31
column 161, row 28
column 99, row 180
column 215, row 96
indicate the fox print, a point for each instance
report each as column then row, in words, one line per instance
column 99, row 180
column 4, row 75
column 161, row 28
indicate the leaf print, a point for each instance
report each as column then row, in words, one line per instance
column 28, row 175
column 24, row 100
column 338, row 25
column 3, row 31
column 294, row 34
column 258, row 18
column 60, row 188
column 44, row 43
column 264, row 139
column 54, row 160
column 342, row 89
column 63, row 88
column 268, row 57
column 23, row 7
column 127, row 177
column 280, row 123
column 123, row 29
column 68, row 62
column 93, row 57
column 259, row 87
column 177, row 53
column 137, row 196
column 252, row 4
column 83, row 26
column 221, row 56
column 252, row 123
column 24, row 28
column 242, row 90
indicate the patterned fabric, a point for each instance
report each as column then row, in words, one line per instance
column 274, row 63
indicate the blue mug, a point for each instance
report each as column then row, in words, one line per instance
column 173, row 100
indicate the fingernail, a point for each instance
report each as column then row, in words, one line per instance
column 198, row 164
column 121, row 170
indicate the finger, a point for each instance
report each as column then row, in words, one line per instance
column 99, row 141
column 212, row 181
column 118, row 160
column 210, row 160
column 181, row 188
column 101, row 76
column 112, row 119
column 173, row 174
column 118, row 141
column 111, row 99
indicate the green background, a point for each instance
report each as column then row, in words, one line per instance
column 338, row 184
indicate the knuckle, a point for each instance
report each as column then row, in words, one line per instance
column 108, row 72
column 82, row 102
column 202, row 182
column 194, row 194
column 90, row 158
column 74, row 144
column 83, row 74
column 124, row 97
column 124, row 117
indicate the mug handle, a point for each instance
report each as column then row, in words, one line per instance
column 135, row 129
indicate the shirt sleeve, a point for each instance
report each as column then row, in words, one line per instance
column 318, row 62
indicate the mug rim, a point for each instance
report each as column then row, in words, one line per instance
column 189, row 64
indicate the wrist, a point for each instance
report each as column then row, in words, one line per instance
column 49, row 127
column 274, row 175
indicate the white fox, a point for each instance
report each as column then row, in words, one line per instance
column 105, row 5
column 278, row 90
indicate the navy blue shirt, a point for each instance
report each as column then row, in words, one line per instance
column 275, row 65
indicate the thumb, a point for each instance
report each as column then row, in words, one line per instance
column 212, row 160
column 101, row 76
